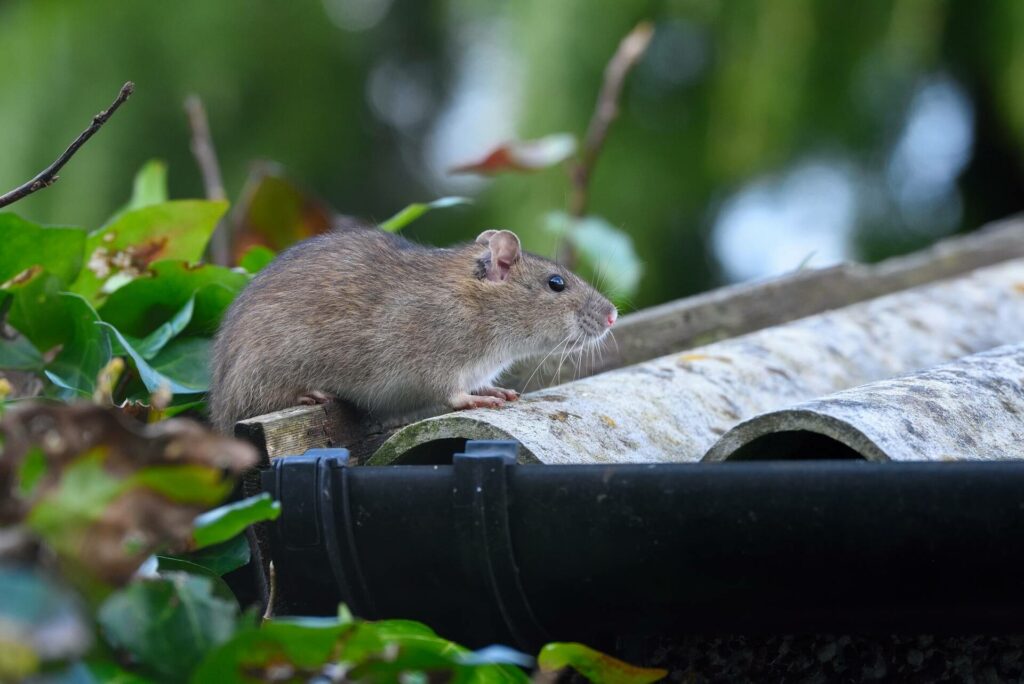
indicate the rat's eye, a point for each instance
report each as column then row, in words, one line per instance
column 556, row 283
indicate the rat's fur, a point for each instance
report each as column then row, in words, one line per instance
column 374, row 319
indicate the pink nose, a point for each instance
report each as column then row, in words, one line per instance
column 610, row 321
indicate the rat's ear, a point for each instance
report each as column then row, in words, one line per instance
column 502, row 251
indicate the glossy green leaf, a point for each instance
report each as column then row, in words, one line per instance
column 594, row 665
column 146, row 303
column 30, row 471
column 49, row 319
column 152, row 378
column 87, row 349
column 256, row 258
column 126, row 247
column 606, row 251
column 186, row 362
column 221, row 558
column 152, row 343
column 414, row 211
column 221, row 524
column 58, row 250
column 149, row 186
column 168, row 625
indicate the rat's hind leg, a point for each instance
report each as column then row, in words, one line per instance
column 464, row 400
column 313, row 398
column 500, row 392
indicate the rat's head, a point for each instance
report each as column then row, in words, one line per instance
column 533, row 302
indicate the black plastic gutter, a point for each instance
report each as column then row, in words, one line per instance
column 486, row 551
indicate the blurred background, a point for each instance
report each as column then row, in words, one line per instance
column 754, row 139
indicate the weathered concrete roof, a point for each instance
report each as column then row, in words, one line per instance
column 794, row 355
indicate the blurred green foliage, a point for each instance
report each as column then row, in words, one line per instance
column 352, row 96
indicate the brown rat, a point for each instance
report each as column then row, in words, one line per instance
column 371, row 318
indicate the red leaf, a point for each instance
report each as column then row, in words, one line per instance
column 523, row 155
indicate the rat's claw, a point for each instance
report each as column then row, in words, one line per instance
column 500, row 392
column 313, row 398
column 463, row 401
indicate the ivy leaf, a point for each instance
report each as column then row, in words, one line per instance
column 414, row 211
column 152, row 376
column 124, row 249
column 594, row 665
column 150, row 345
column 49, row 318
column 221, row 524
column 256, row 258
column 606, row 251
column 221, row 558
column 146, row 303
column 168, row 625
column 25, row 244
column 523, row 155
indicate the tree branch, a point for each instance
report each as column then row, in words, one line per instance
column 629, row 52
column 209, row 168
column 49, row 176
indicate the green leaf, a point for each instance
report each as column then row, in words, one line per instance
column 83, row 493
column 40, row 621
column 146, row 303
column 25, row 244
column 594, row 665
column 306, row 643
column 414, row 211
column 150, row 185
column 48, row 318
column 31, row 471
column 20, row 354
column 221, row 558
column 170, row 624
column 607, row 252
column 158, row 339
column 256, row 258
column 126, row 247
column 87, row 350
column 166, row 565
column 186, row 362
column 221, row 524
column 186, row 484
column 151, row 377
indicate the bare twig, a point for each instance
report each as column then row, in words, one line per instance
column 629, row 52
column 48, row 176
column 206, row 159
column 268, row 612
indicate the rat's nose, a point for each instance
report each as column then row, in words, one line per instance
column 610, row 320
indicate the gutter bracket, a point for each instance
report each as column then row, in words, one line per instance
column 482, row 524
column 338, row 527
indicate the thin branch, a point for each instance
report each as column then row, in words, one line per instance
column 630, row 50
column 209, row 167
column 49, row 176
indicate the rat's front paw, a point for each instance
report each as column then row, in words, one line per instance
column 500, row 392
column 463, row 401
